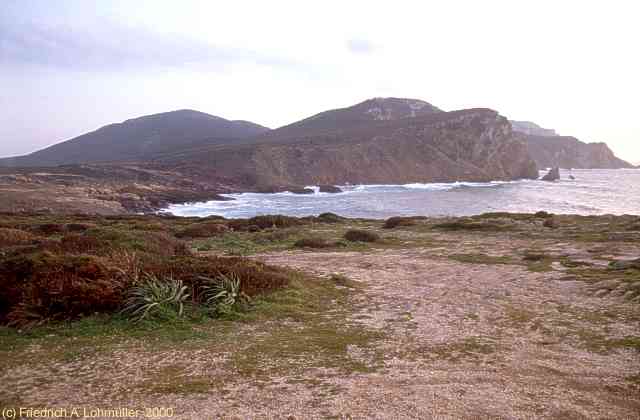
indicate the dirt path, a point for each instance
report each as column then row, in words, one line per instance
column 474, row 340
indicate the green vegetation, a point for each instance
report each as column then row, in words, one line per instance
column 468, row 224
column 356, row 235
column 482, row 259
column 313, row 242
column 467, row 348
column 156, row 298
column 223, row 295
column 57, row 268
column 394, row 222
column 203, row 230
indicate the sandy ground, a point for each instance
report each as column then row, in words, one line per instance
column 502, row 338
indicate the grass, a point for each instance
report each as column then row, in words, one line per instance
column 482, row 259
column 518, row 315
column 597, row 342
column 359, row 235
column 472, row 348
column 482, row 224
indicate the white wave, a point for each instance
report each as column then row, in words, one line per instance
column 433, row 186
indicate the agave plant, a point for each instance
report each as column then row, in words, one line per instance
column 223, row 293
column 156, row 296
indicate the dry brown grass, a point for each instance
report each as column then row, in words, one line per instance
column 13, row 237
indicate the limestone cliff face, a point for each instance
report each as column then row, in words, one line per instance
column 569, row 152
column 533, row 129
column 467, row 145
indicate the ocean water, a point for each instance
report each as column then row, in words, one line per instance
column 593, row 191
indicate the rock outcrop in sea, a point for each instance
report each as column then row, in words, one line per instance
column 552, row 175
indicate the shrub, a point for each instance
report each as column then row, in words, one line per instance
column 203, row 230
column 156, row 298
column 75, row 243
column 49, row 228
column 223, row 294
column 394, row 222
column 467, row 224
column 329, row 218
column 256, row 278
column 535, row 256
column 550, row 223
column 278, row 235
column 78, row 227
column 44, row 286
column 157, row 244
column 341, row 280
column 264, row 222
column 542, row 215
column 356, row 235
column 13, row 237
column 312, row 243
column 633, row 226
column 503, row 215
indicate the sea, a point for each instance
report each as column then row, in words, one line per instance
column 591, row 192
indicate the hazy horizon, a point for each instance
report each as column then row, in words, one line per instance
column 72, row 67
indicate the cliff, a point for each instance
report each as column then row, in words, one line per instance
column 380, row 140
column 469, row 145
column 569, row 152
column 533, row 129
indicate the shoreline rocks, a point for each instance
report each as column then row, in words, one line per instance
column 552, row 175
column 331, row 189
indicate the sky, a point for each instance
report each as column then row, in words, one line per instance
column 71, row 66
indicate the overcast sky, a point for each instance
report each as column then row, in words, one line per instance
column 68, row 67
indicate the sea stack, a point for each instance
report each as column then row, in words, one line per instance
column 552, row 175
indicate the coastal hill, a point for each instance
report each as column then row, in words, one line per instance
column 141, row 139
column 569, row 152
column 549, row 149
column 381, row 140
column 377, row 141
column 363, row 113
column 531, row 128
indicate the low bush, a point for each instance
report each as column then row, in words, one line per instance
column 223, row 294
column 503, row 215
column 312, row 243
column 468, row 224
column 13, row 237
column 277, row 235
column 550, row 223
column 158, row 244
column 535, row 256
column 105, row 241
column 356, row 235
column 78, row 227
column 264, row 222
column 394, row 222
column 256, row 278
column 48, row 229
column 156, row 298
column 542, row 215
column 329, row 218
column 43, row 286
column 203, row 230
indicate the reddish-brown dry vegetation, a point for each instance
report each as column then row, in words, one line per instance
column 70, row 270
